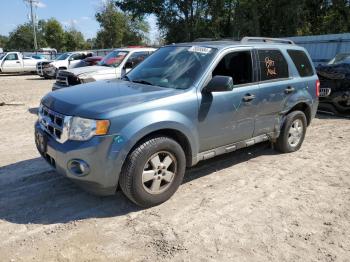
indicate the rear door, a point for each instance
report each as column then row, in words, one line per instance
column 11, row 63
column 275, row 86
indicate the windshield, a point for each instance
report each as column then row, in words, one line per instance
column 176, row 67
column 63, row 56
column 340, row 59
column 2, row 55
column 114, row 59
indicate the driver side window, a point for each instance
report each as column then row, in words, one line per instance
column 237, row 65
column 12, row 57
column 137, row 58
column 76, row 57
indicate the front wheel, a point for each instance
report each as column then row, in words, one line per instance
column 153, row 171
column 292, row 133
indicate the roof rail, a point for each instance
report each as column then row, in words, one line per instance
column 248, row 39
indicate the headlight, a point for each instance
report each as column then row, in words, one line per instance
column 85, row 78
column 83, row 129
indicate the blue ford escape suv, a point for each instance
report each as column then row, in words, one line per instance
column 185, row 103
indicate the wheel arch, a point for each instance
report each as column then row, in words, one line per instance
column 303, row 107
column 174, row 134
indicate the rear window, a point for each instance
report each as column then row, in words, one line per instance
column 301, row 62
column 273, row 65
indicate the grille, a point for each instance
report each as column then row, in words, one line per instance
column 325, row 92
column 54, row 123
column 39, row 68
column 65, row 78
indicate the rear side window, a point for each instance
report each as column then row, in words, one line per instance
column 302, row 62
column 273, row 65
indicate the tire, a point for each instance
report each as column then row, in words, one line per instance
column 291, row 137
column 147, row 178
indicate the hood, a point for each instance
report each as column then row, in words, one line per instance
column 94, row 99
column 334, row 71
column 92, row 70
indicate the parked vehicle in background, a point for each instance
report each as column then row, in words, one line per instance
column 184, row 104
column 64, row 61
column 114, row 65
column 335, row 85
column 38, row 56
column 89, row 61
column 14, row 62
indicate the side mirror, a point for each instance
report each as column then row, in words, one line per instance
column 219, row 84
column 129, row 65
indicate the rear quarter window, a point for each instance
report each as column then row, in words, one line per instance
column 273, row 65
column 301, row 62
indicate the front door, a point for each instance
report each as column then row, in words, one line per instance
column 11, row 63
column 228, row 117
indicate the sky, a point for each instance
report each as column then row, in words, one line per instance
column 77, row 13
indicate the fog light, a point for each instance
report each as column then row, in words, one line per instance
column 78, row 167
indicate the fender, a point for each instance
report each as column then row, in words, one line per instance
column 146, row 124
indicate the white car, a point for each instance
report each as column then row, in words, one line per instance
column 64, row 61
column 14, row 62
column 114, row 65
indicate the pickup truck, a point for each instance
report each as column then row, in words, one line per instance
column 114, row 65
column 15, row 62
column 183, row 104
column 50, row 69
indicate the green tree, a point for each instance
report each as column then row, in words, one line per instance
column 21, row 38
column 74, row 40
column 118, row 29
column 185, row 20
column 3, row 41
column 54, row 34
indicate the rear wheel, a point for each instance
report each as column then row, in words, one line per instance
column 292, row 133
column 153, row 171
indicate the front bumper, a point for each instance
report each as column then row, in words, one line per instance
column 100, row 153
column 48, row 72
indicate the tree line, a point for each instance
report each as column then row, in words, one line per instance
column 186, row 20
column 123, row 22
column 116, row 29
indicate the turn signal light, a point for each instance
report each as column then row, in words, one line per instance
column 102, row 127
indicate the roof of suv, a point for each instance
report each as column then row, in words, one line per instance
column 248, row 42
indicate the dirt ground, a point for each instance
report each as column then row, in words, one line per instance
column 251, row 205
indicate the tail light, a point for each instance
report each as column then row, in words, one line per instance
column 317, row 88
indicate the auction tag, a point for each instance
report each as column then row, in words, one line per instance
column 200, row 49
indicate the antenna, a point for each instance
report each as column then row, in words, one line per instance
column 32, row 3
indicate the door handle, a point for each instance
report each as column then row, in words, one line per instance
column 248, row 97
column 18, row 62
column 289, row 90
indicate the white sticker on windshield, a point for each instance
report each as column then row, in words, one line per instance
column 200, row 49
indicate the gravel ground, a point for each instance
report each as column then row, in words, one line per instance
column 251, row 205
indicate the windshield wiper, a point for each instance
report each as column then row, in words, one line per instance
column 140, row 81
